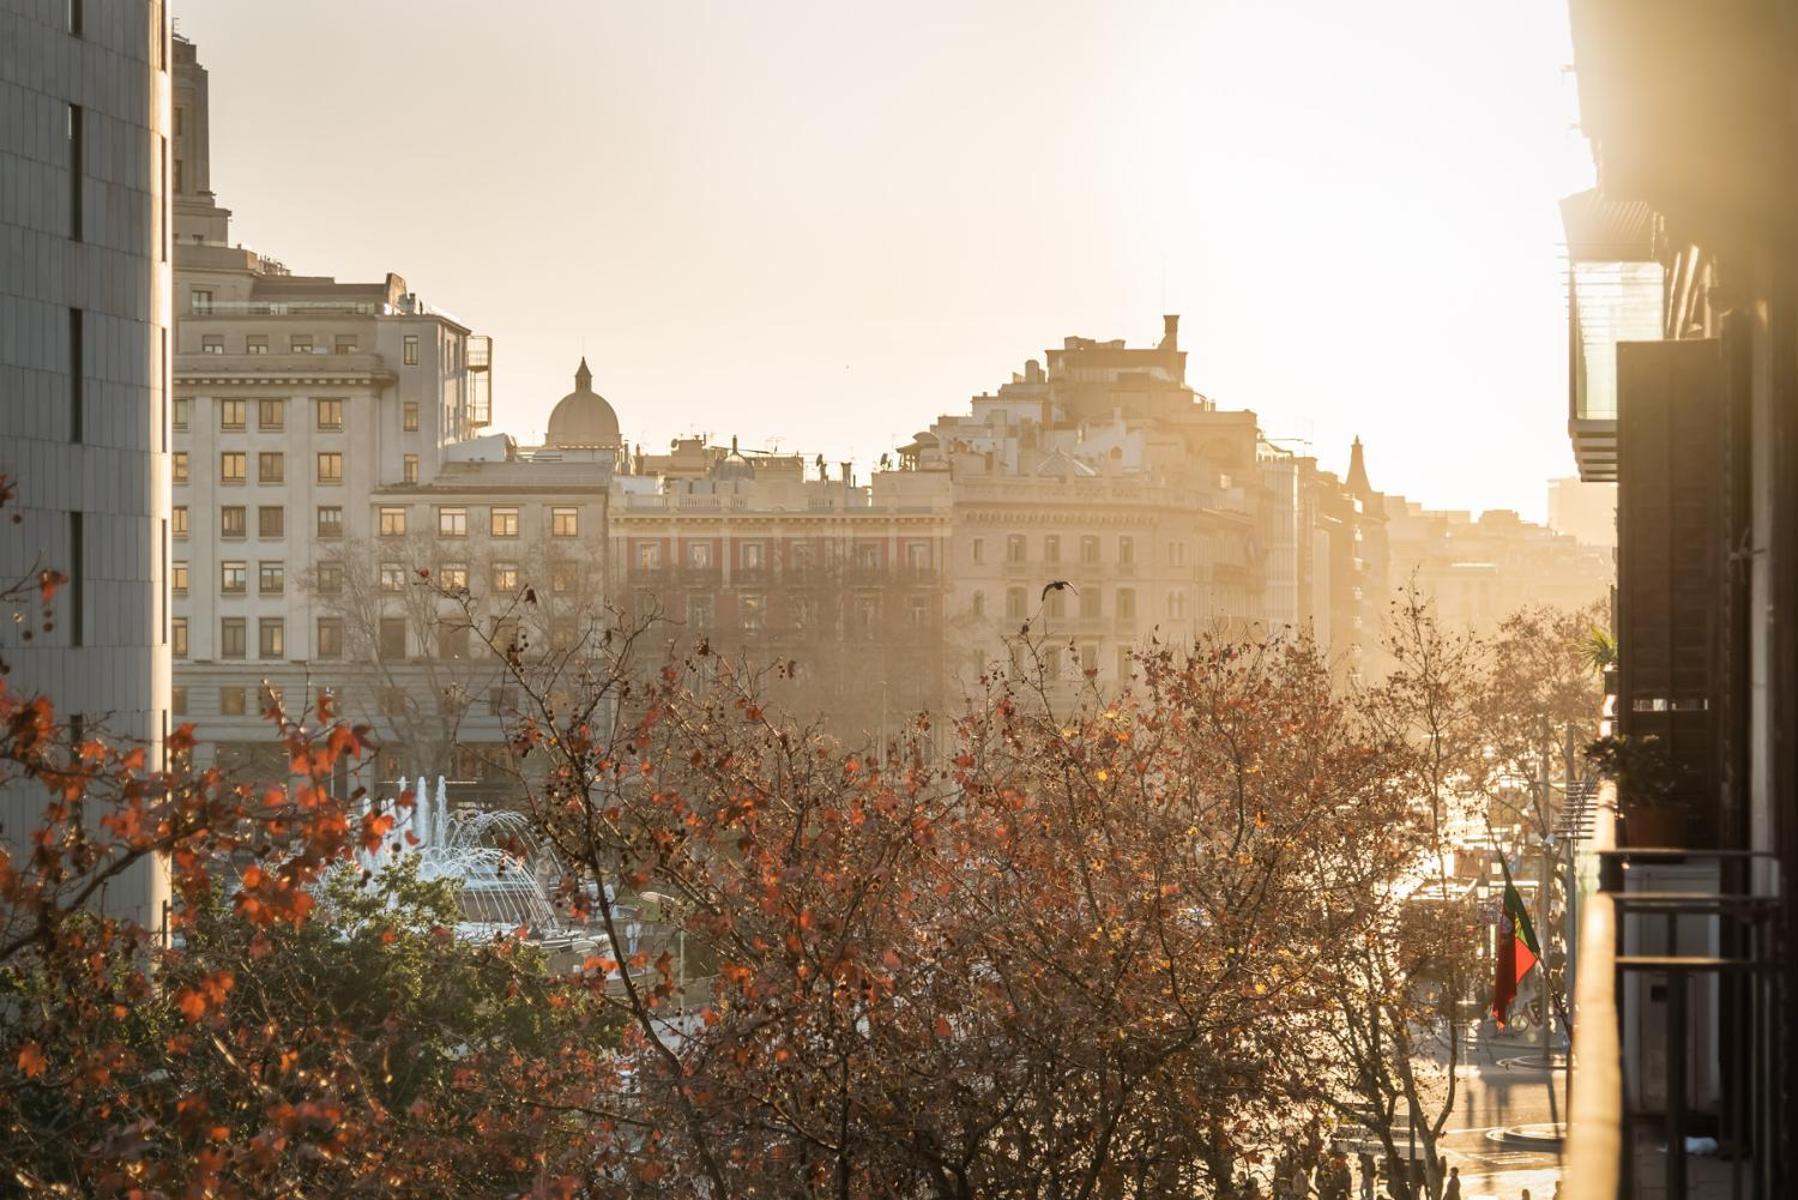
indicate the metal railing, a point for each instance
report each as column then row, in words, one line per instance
column 1677, row 1053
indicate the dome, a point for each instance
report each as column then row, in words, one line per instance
column 733, row 465
column 583, row 418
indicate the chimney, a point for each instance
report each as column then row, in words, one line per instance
column 1033, row 372
column 1170, row 331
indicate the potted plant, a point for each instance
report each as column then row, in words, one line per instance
column 1647, row 782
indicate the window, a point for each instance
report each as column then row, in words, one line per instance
column 330, row 414
column 271, row 637
column 271, row 577
column 1014, row 604
column 178, row 637
column 1176, row 553
column 178, row 414
column 393, row 702
column 917, row 555
column 1089, row 549
column 409, row 416
column 867, row 557
column 1089, row 660
column 393, row 577
column 1126, row 551
column 1052, row 548
column 452, row 522
column 799, row 612
column 200, row 301
column 328, row 579
column 563, row 576
column 177, row 702
column 231, row 414
column 212, row 344
column 77, row 169
column 74, row 15
column 500, row 701
column 233, row 577
column 699, row 555
column 503, row 522
column 409, row 469
column 393, row 638
column 564, row 522
column 256, row 343
column 329, row 522
column 1051, row 662
column 867, row 613
column 505, row 577
column 1015, row 550
column 232, row 637
column 344, row 345
column 978, row 549
column 1057, row 603
column 231, row 701
column 753, row 555
column 330, row 638
column 271, row 467
column 393, row 522
column 271, row 414
column 231, row 521
column 233, row 466
column 753, row 608
column 1089, row 604
column 77, row 373
column 649, row 556
column 453, row 576
column 178, row 578
column 178, row 466
column 563, row 633
column 409, row 353
column 1176, row 606
column 917, row 612
column 699, row 612
column 1126, row 604
column 300, row 343
column 977, row 604
column 453, row 641
column 271, row 521
column 330, row 466
column 178, row 520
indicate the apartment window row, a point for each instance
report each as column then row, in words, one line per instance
column 1089, row 604
column 453, row 521
column 1017, row 549
column 271, row 415
column 202, row 304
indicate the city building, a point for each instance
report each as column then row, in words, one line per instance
column 1684, row 319
column 1586, row 512
column 1481, row 570
column 325, row 452
column 84, row 360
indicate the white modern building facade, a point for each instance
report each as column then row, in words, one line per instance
column 85, row 278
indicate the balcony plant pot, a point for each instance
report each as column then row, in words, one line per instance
column 1654, row 825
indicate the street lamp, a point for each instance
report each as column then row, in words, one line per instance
column 680, row 938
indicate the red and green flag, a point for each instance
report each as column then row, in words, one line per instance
column 1518, row 950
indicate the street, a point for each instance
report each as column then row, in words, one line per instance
column 1497, row 1091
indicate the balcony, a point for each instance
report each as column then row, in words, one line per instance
column 1677, row 1033
column 1614, row 294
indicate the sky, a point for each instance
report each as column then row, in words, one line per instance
column 817, row 225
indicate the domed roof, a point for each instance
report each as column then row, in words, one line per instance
column 583, row 418
column 733, row 465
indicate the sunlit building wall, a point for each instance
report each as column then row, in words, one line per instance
column 84, row 358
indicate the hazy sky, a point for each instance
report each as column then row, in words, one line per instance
column 820, row 224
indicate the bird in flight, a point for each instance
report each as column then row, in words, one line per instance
column 1057, row 585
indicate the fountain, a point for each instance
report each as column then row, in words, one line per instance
column 498, row 861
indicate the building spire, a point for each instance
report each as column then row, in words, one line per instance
column 1357, row 472
column 583, row 378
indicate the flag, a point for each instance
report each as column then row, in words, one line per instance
column 1518, row 950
